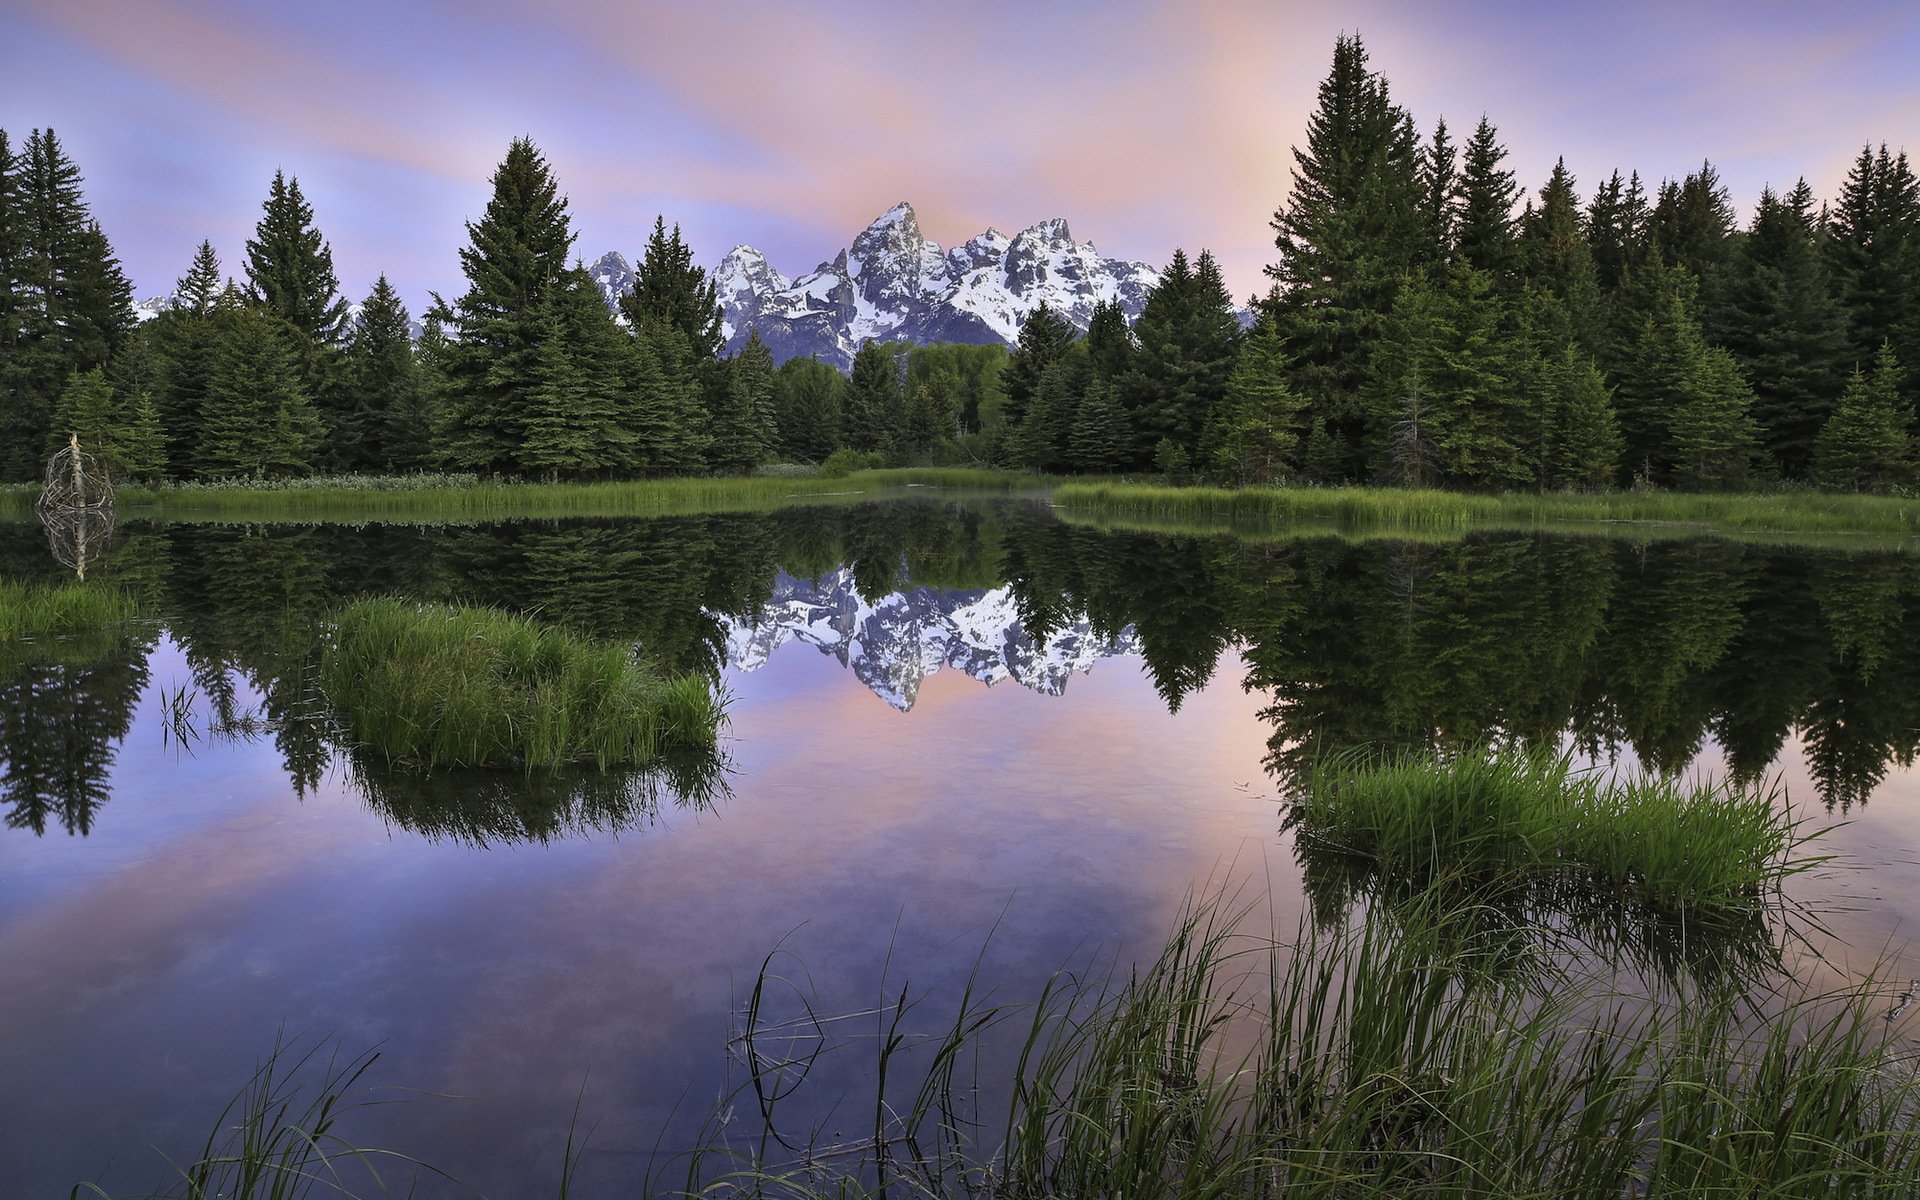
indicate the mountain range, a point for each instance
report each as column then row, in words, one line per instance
column 894, row 643
column 892, row 284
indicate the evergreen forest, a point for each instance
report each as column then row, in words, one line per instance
column 1430, row 321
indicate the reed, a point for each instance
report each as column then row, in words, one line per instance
column 33, row 610
column 1380, row 1060
column 1705, row 848
column 1431, row 511
column 461, row 686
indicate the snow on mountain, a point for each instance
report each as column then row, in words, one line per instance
column 614, row 276
column 893, row 644
column 893, row 283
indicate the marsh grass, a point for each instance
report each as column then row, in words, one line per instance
column 432, row 499
column 1431, row 511
column 1381, row 1059
column 1706, row 848
column 458, row 686
column 35, row 610
column 278, row 1138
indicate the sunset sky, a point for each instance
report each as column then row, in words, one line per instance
column 1149, row 125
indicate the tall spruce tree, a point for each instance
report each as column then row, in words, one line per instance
column 807, row 399
column 1692, row 226
column 290, row 267
column 383, row 412
column 1255, row 432
column 744, row 429
column 874, row 407
column 185, row 340
column 71, row 304
column 121, row 432
column 1044, row 338
column 1617, row 229
column 1352, row 228
column 1554, row 254
column 1484, row 196
column 256, row 421
column 1188, row 337
column 1712, row 432
column 1439, row 163
column 577, row 422
column 1874, row 254
column 1777, row 315
column 668, row 287
column 1865, row 446
column 515, row 258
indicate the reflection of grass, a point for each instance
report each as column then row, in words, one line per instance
column 433, row 685
column 34, row 610
column 1703, row 849
column 1436, row 511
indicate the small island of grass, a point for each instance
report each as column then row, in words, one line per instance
column 461, row 686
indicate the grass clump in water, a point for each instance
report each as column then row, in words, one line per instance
column 1517, row 816
column 32, row 610
column 462, row 686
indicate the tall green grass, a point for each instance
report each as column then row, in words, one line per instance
column 461, row 686
column 1707, row 848
column 1378, row 1060
column 33, row 610
column 1431, row 511
column 452, row 498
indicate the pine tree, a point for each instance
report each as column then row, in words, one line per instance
column 1712, row 432
column 1555, row 255
column 931, row 417
column 743, row 427
column 668, row 287
column 1101, row 440
column 1189, row 337
column 382, row 412
column 1323, row 459
column 140, row 444
column 1874, row 255
column 256, row 422
column 1438, row 163
column 668, row 401
column 579, row 423
column 71, row 304
column 1110, row 344
column 1865, row 446
column 1692, row 225
column 1044, row 339
column 516, row 256
column 1778, row 317
column 807, row 398
column 1046, row 432
column 1656, row 354
column 1484, row 197
column 290, row 267
column 200, row 286
column 1583, row 451
column 874, row 407
column 1352, row 229
column 1254, row 437
column 1617, row 229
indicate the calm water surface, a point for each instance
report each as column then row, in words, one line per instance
column 965, row 742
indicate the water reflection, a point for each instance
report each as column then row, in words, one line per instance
column 1618, row 647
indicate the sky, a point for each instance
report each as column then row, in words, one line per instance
column 789, row 125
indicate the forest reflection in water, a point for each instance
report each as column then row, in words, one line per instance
column 1615, row 646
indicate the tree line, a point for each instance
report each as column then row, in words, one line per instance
column 1428, row 324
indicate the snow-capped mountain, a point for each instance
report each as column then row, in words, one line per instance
column 895, row 643
column 894, row 284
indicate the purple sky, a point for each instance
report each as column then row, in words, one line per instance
column 790, row 125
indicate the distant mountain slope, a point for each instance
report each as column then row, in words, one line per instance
column 893, row 284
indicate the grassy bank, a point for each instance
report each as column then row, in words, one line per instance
column 30, row 610
column 1414, row 511
column 445, row 686
column 1511, row 818
column 445, row 498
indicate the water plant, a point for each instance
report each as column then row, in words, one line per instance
column 461, row 686
column 37, row 610
column 1496, row 815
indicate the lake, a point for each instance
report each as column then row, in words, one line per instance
column 968, row 742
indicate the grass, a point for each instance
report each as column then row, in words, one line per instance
column 1706, row 849
column 31, row 610
column 461, row 686
column 441, row 498
column 1428, row 511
